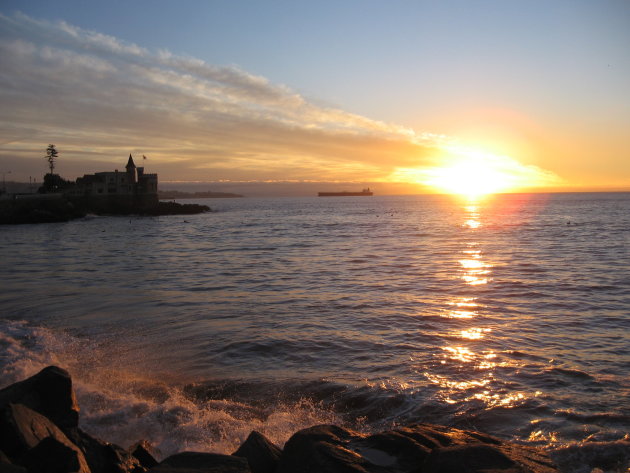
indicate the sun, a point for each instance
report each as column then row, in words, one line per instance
column 473, row 173
column 470, row 177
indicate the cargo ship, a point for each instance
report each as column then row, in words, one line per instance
column 364, row 192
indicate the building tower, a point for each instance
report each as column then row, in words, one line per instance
column 131, row 170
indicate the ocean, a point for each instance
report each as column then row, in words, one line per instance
column 509, row 314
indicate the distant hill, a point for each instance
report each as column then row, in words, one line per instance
column 195, row 195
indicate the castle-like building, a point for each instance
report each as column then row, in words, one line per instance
column 132, row 188
column 132, row 182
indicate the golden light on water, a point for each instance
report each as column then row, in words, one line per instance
column 474, row 333
column 465, row 370
column 464, row 308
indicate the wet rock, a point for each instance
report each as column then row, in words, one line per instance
column 474, row 458
column 193, row 462
column 52, row 456
column 261, row 454
column 419, row 448
column 22, row 429
column 324, row 448
column 331, row 448
column 6, row 467
column 142, row 452
column 104, row 457
column 49, row 393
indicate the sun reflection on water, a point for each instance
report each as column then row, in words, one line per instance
column 465, row 370
column 474, row 333
column 465, row 308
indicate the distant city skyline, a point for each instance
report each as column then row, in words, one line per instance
column 411, row 96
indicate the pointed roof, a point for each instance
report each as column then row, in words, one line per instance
column 130, row 163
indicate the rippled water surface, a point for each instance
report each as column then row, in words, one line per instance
column 510, row 315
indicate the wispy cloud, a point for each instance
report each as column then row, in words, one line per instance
column 98, row 98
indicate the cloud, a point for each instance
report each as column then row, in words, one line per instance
column 98, row 98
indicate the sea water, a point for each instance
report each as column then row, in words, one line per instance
column 508, row 314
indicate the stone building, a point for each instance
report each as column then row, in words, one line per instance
column 117, row 190
column 133, row 181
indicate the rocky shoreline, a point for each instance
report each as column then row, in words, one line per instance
column 39, row 433
column 63, row 210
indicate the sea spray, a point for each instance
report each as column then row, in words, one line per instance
column 124, row 405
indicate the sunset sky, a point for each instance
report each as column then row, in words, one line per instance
column 411, row 96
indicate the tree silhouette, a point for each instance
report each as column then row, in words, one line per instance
column 51, row 156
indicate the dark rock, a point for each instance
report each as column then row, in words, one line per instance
column 474, row 458
column 419, row 448
column 324, row 448
column 52, row 456
column 38, row 210
column 401, row 449
column 50, row 393
column 11, row 468
column 4, row 458
column 142, row 452
column 22, row 429
column 473, row 452
column 103, row 457
column 193, row 462
column 7, row 466
column 261, row 454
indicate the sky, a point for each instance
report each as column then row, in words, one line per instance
column 405, row 96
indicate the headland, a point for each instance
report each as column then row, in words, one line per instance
column 132, row 192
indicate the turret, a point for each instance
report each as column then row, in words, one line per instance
column 131, row 170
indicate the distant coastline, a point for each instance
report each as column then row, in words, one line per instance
column 195, row 195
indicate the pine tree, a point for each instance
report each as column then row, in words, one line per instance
column 51, row 156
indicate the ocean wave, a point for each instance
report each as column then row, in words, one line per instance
column 124, row 400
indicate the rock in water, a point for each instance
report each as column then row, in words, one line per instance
column 103, row 457
column 419, row 448
column 261, row 454
column 141, row 451
column 324, row 448
column 50, row 393
column 193, row 462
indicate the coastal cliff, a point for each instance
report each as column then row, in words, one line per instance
column 39, row 427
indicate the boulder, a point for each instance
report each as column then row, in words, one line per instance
column 193, row 462
column 50, row 393
column 22, row 429
column 52, row 456
column 7, row 466
column 418, row 448
column 261, row 454
column 104, row 457
column 324, row 448
column 11, row 468
column 142, row 452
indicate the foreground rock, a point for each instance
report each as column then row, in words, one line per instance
column 49, row 392
column 262, row 455
column 193, row 462
column 419, row 448
column 39, row 433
